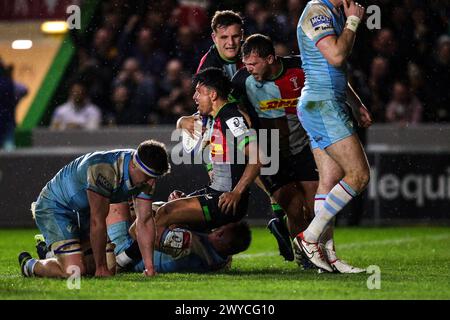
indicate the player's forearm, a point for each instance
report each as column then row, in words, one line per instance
column 98, row 242
column 145, row 234
column 250, row 173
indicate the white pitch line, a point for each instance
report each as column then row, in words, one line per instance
column 355, row 245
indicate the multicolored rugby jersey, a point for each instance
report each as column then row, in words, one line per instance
column 275, row 102
column 228, row 135
column 213, row 59
column 320, row 19
column 200, row 256
column 103, row 172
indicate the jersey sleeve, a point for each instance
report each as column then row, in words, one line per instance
column 240, row 131
column 147, row 193
column 239, row 93
column 102, row 179
column 317, row 23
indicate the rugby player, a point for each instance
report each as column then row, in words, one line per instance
column 227, row 35
column 71, row 209
column 202, row 252
column 326, row 33
column 270, row 86
column 225, row 199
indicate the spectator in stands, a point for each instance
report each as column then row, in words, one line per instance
column 100, row 68
column 7, row 107
column 439, row 75
column 141, row 89
column 404, row 107
column 150, row 57
column 385, row 45
column 378, row 82
column 178, row 103
column 259, row 20
column 121, row 114
column 78, row 112
column 186, row 49
column 171, row 78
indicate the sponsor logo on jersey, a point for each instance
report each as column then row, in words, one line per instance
column 321, row 20
column 274, row 104
column 216, row 149
column 294, row 81
column 103, row 182
column 237, row 126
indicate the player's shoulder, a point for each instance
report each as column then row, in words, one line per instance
column 229, row 111
column 210, row 59
column 292, row 62
column 314, row 9
column 316, row 5
column 240, row 76
column 108, row 158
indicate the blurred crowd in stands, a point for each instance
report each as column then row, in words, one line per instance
column 136, row 63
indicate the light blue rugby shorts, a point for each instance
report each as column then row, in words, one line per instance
column 58, row 223
column 326, row 121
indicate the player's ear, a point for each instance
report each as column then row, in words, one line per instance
column 270, row 59
column 213, row 95
column 213, row 36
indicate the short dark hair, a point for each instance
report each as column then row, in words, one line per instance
column 225, row 18
column 242, row 237
column 216, row 79
column 260, row 44
column 154, row 155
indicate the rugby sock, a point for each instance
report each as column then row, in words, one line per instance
column 327, row 236
column 278, row 212
column 337, row 199
column 319, row 200
column 132, row 253
column 29, row 267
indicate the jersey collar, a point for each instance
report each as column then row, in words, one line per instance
column 220, row 109
column 280, row 73
column 126, row 173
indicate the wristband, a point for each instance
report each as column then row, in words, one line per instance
column 352, row 23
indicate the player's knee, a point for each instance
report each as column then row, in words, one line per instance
column 73, row 270
column 360, row 179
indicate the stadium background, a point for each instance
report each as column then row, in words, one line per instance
column 401, row 72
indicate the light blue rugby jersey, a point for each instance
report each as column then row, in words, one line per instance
column 323, row 81
column 104, row 172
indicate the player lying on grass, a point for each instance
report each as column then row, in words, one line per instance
column 181, row 250
column 71, row 209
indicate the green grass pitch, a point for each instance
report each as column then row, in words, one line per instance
column 414, row 264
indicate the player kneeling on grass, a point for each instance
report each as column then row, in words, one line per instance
column 71, row 209
column 180, row 250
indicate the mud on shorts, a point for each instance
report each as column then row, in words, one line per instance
column 326, row 122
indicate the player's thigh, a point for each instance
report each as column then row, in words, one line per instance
column 180, row 211
column 330, row 172
column 349, row 154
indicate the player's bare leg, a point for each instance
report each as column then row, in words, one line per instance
column 184, row 211
column 349, row 156
column 62, row 266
